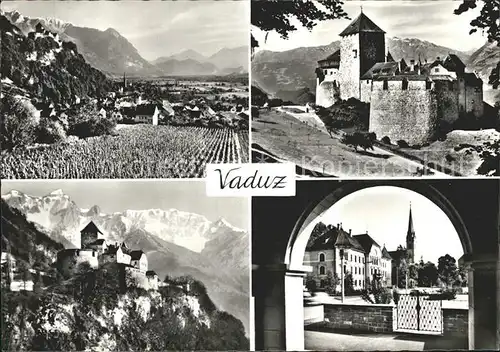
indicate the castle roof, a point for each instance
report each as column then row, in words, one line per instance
column 382, row 68
column 361, row 24
column 332, row 60
column 151, row 273
column 453, row 63
column 91, row 227
column 136, row 255
column 98, row 242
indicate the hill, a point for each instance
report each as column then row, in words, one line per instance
column 485, row 59
column 24, row 241
column 294, row 69
column 91, row 312
column 188, row 67
column 46, row 67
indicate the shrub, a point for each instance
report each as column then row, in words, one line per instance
column 19, row 123
column 92, row 127
column 382, row 295
column 402, row 144
column 386, row 140
column 360, row 139
column 50, row 131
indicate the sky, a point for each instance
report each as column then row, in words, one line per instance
column 155, row 28
column 383, row 211
column 433, row 21
column 119, row 195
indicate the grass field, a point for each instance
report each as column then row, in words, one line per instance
column 289, row 139
column 463, row 160
column 137, row 151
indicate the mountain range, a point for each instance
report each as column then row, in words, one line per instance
column 294, row 69
column 176, row 243
column 112, row 53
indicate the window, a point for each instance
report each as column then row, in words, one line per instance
column 428, row 85
column 367, row 81
column 386, row 85
column 321, row 257
column 355, row 270
column 436, row 69
column 405, row 84
column 322, row 270
column 351, row 257
column 355, row 52
column 477, row 89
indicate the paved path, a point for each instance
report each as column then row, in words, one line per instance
column 320, row 341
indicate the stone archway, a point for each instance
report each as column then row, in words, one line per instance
column 279, row 314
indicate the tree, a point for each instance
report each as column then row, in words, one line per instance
column 348, row 283
column 486, row 20
column 462, row 277
column 278, row 15
column 332, row 281
column 401, row 272
column 310, row 283
column 359, row 139
column 447, row 270
column 412, row 275
column 427, row 274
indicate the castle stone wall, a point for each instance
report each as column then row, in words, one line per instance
column 447, row 100
column 136, row 278
column 474, row 100
column 349, row 67
column 366, row 90
column 372, row 50
column 410, row 115
column 327, row 93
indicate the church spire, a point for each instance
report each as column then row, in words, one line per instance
column 411, row 230
column 410, row 239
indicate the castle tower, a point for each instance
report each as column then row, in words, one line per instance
column 89, row 234
column 362, row 44
column 410, row 240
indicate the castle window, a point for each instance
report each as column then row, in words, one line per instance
column 386, row 85
column 428, row 85
column 477, row 89
column 436, row 69
column 322, row 270
column 405, row 84
column 355, row 52
column 367, row 81
column 321, row 257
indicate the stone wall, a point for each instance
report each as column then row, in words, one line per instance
column 447, row 100
column 368, row 318
column 327, row 93
column 455, row 322
column 366, row 90
column 372, row 50
column 349, row 67
column 409, row 115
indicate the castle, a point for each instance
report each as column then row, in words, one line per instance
column 410, row 101
column 363, row 259
column 96, row 251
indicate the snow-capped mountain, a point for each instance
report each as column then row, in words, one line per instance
column 60, row 217
column 26, row 24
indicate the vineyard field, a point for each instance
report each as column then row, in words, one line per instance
column 138, row 151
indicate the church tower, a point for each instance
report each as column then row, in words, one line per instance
column 410, row 240
column 362, row 44
column 124, row 82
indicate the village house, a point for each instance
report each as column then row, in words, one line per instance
column 147, row 113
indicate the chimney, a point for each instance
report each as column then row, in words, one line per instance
column 338, row 226
column 350, row 231
column 412, row 65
